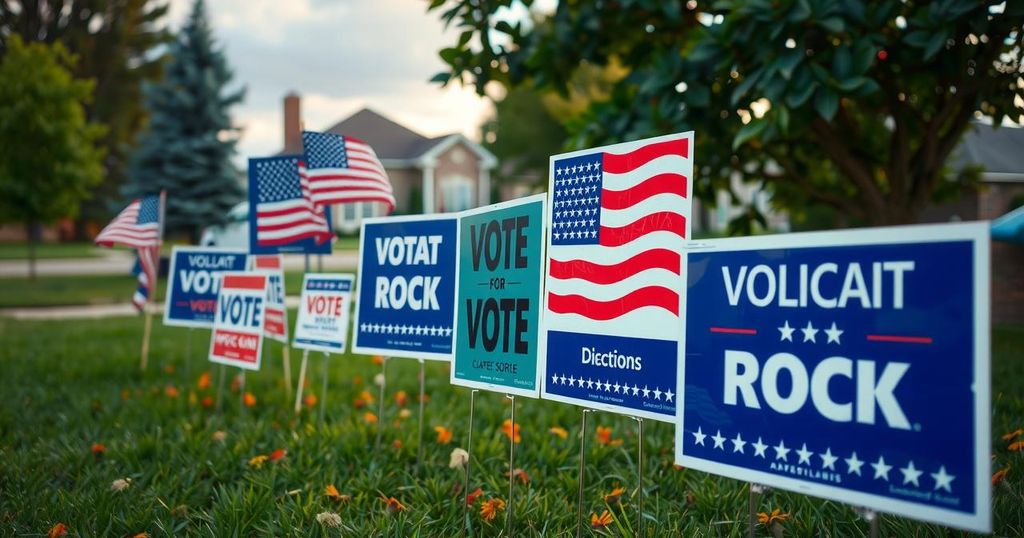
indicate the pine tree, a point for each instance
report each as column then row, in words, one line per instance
column 188, row 144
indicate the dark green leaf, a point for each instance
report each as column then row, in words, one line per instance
column 842, row 63
column 826, row 102
column 748, row 131
column 833, row 24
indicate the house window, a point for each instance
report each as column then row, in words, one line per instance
column 456, row 193
column 353, row 212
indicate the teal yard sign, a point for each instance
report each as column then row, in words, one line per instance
column 501, row 262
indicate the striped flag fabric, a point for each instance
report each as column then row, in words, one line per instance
column 285, row 211
column 138, row 226
column 619, row 222
column 344, row 169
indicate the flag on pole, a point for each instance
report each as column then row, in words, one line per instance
column 344, row 169
column 618, row 225
column 139, row 226
column 285, row 211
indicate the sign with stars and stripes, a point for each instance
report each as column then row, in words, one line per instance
column 849, row 365
column 283, row 218
column 406, row 297
column 612, row 324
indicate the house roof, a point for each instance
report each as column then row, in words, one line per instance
column 388, row 138
column 997, row 150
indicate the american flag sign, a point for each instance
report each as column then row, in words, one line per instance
column 343, row 169
column 612, row 322
column 138, row 226
column 285, row 212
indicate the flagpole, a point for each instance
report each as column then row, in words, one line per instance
column 147, row 312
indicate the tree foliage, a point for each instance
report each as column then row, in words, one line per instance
column 522, row 134
column 850, row 105
column 189, row 141
column 49, row 159
column 114, row 42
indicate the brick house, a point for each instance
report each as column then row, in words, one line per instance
column 428, row 174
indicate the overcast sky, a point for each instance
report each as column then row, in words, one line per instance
column 340, row 56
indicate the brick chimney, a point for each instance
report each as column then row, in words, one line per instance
column 292, row 123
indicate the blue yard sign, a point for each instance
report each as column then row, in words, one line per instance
column 619, row 219
column 848, row 365
column 406, row 300
column 194, row 282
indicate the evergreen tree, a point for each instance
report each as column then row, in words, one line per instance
column 189, row 141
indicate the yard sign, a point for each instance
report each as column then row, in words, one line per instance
column 501, row 263
column 237, row 338
column 613, row 321
column 324, row 312
column 848, row 365
column 407, row 286
column 194, row 281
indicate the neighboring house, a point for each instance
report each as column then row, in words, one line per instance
column 429, row 175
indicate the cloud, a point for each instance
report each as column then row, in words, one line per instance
column 340, row 56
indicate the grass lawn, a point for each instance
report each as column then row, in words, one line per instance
column 66, row 386
column 19, row 251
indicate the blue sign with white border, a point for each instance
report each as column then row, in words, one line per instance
column 407, row 276
column 848, row 365
column 195, row 276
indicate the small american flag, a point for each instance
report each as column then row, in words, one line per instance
column 285, row 211
column 618, row 226
column 138, row 226
column 344, row 169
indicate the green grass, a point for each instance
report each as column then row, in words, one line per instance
column 66, row 386
column 19, row 251
column 66, row 290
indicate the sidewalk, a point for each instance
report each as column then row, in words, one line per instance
column 94, row 311
column 120, row 262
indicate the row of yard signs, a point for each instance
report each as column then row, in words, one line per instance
column 848, row 365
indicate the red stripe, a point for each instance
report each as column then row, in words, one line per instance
column 375, row 182
column 268, row 262
column 244, row 282
column 658, row 296
column 660, row 221
column 354, row 139
column 730, row 330
column 626, row 162
column 668, row 182
column 901, row 339
column 264, row 213
column 286, row 225
column 658, row 258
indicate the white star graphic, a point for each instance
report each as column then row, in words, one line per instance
column 590, row 383
column 853, row 464
column 881, row 469
column 833, row 333
column 828, row 461
column 636, row 390
column 657, row 393
column 737, row 444
column 572, row 381
column 554, row 379
column 787, row 332
column 809, row 333
column 647, row 393
column 616, row 387
column 781, row 452
column 943, row 480
column 607, row 386
column 759, row 448
column 719, row 440
column 668, row 395
column 910, row 474
column 562, row 379
column 698, row 436
column 805, row 455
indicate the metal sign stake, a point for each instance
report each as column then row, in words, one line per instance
column 287, row 371
column 640, row 475
column 510, row 519
column 302, row 381
column 380, row 403
column 469, row 460
column 583, row 463
column 323, row 397
column 423, row 391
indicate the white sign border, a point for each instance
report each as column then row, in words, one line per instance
column 401, row 353
column 263, row 320
column 493, row 387
column 346, row 317
column 173, row 322
column 543, row 336
column 978, row 234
